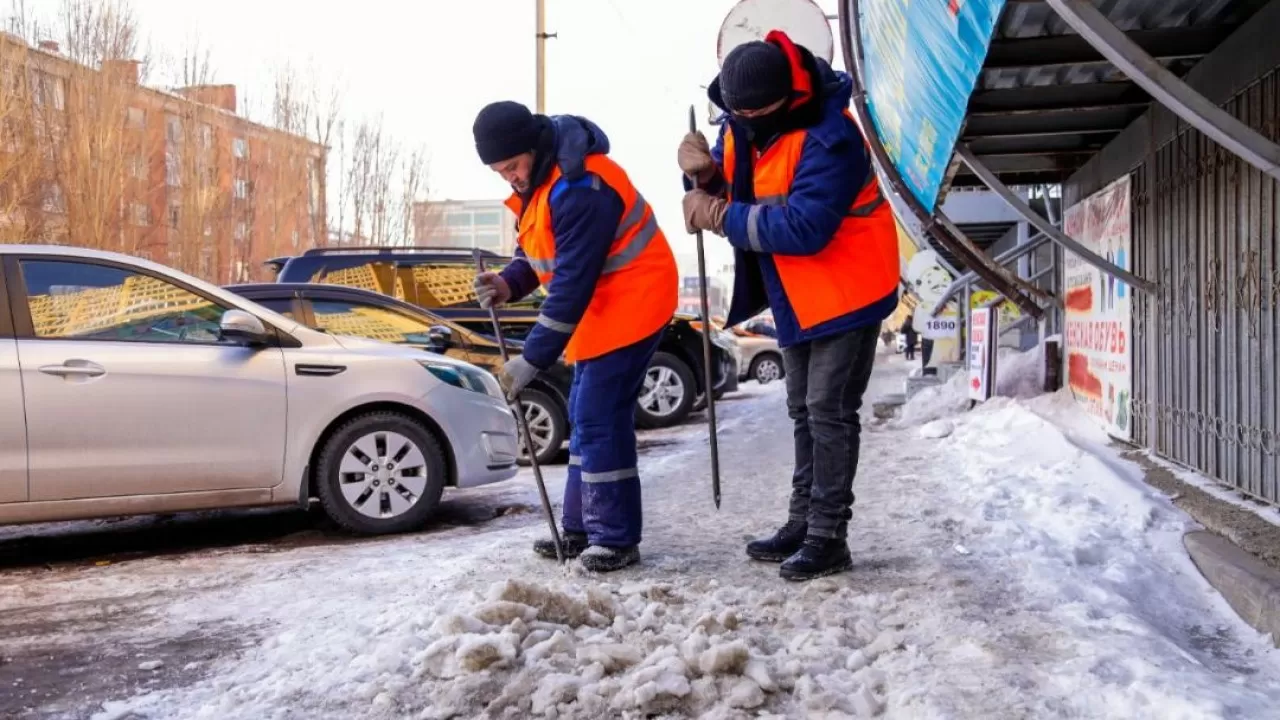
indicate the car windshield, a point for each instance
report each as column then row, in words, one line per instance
column 425, row 284
column 343, row 317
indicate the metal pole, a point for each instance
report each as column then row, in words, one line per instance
column 990, row 180
column 523, row 423
column 1167, row 88
column 708, row 378
column 540, row 106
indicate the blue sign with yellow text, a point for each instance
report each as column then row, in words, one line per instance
column 921, row 61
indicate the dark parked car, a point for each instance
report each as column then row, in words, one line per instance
column 439, row 281
column 351, row 311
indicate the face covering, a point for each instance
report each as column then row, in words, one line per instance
column 762, row 129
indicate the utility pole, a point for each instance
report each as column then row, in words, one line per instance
column 542, row 36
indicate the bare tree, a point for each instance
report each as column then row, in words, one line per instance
column 95, row 31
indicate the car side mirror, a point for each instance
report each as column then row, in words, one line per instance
column 440, row 336
column 242, row 327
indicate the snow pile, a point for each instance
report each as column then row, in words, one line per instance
column 934, row 403
column 650, row 648
column 525, row 649
column 1018, row 375
column 1095, row 560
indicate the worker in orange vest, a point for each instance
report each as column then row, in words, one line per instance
column 589, row 238
column 790, row 184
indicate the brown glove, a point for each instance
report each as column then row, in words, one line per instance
column 703, row 211
column 695, row 158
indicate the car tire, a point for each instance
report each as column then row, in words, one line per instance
column 546, row 419
column 668, row 393
column 767, row 367
column 372, row 446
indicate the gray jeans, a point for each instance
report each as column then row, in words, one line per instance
column 825, row 382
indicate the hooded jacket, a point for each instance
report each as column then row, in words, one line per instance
column 833, row 168
column 580, row 216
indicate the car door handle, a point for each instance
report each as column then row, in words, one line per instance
column 74, row 370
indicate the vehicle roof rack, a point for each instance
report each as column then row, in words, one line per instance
column 397, row 250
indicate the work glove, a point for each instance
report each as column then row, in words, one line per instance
column 491, row 290
column 517, row 373
column 703, row 211
column 695, row 158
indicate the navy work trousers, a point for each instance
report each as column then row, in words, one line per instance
column 602, row 492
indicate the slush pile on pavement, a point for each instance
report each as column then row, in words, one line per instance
column 647, row 649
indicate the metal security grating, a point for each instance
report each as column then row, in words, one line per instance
column 1206, row 386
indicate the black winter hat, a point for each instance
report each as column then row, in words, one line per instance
column 755, row 75
column 504, row 130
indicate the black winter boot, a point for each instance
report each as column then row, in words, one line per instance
column 818, row 557
column 783, row 544
column 601, row 559
column 572, row 543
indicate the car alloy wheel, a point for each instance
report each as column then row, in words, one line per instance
column 768, row 370
column 663, row 391
column 383, row 474
column 541, row 428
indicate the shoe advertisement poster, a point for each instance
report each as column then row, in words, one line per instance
column 1099, row 318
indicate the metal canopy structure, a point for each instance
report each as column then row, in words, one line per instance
column 1047, row 101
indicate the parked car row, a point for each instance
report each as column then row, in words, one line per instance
column 131, row 388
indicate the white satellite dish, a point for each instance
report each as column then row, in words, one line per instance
column 802, row 20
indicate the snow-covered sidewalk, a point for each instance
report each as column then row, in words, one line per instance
column 1010, row 569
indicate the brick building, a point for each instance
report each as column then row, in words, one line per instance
column 90, row 157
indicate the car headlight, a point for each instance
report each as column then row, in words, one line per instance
column 467, row 378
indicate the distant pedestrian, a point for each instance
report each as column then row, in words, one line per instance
column 791, row 186
column 909, row 337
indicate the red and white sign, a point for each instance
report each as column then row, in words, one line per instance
column 984, row 328
column 1099, row 319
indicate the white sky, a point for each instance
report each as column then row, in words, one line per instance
column 632, row 66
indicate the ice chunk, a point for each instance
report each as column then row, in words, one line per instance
column 150, row 665
column 552, row 605
column 478, row 652
column 613, row 656
column 503, row 612
column 938, row 429
column 745, row 694
column 554, row 689
column 455, row 624
column 758, row 671
column 555, row 645
column 865, row 702
column 857, row 660
column 724, row 659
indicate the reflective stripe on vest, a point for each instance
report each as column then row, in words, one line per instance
column 858, row 267
column 628, row 253
column 636, row 293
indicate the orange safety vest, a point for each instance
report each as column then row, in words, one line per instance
column 857, row 268
column 636, row 294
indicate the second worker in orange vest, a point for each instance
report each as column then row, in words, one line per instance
column 790, row 185
column 590, row 239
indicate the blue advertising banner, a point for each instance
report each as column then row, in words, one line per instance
column 921, row 60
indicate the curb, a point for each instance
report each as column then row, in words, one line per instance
column 1250, row 586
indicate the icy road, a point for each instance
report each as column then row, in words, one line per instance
column 1009, row 566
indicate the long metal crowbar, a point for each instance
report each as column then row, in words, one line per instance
column 708, row 375
column 523, row 423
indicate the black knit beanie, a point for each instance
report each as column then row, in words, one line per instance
column 504, row 130
column 755, row 75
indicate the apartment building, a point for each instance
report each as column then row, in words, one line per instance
column 484, row 224
column 91, row 157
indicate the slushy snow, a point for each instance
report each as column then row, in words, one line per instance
column 1015, row 568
